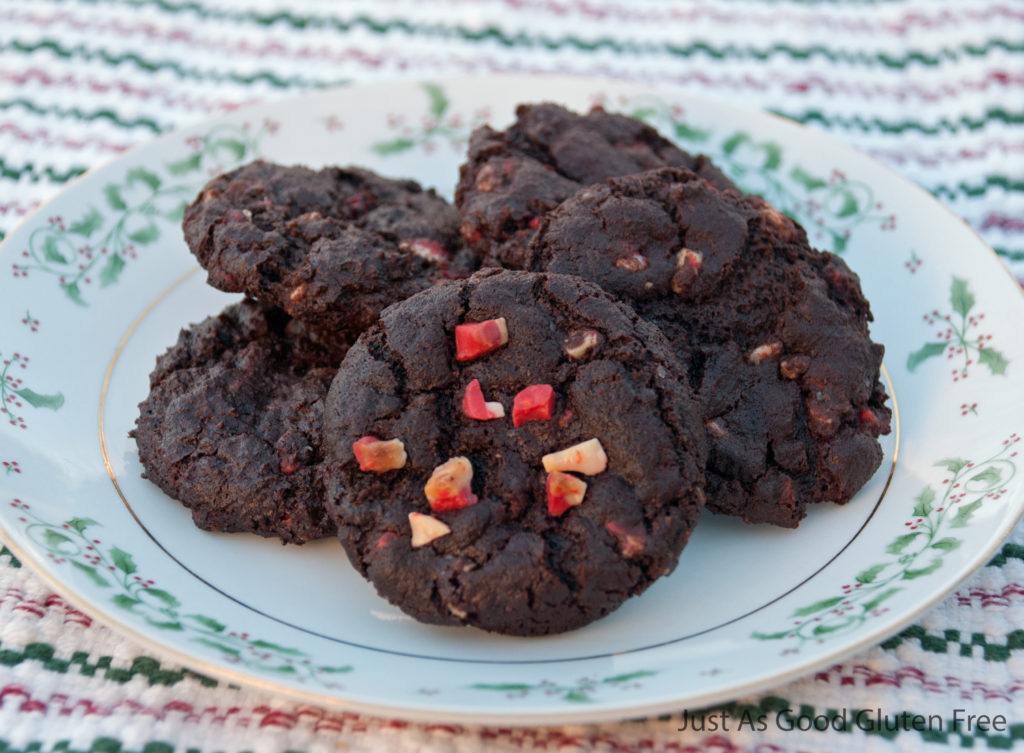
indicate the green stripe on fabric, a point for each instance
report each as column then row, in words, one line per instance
column 602, row 44
column 35, row 174
column 1010, row 551
column 953, row 641
column 80, row 51
column 5, row 553
column 1012, row 254
column 80, row 114
column 967, row 189
column 945, row 125
column 141, row 666
column 99, row 745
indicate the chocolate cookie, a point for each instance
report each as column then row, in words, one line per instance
column 513, row 451
column 775, row 333
column 331, row 247
column 512, row 178
column 232, row 423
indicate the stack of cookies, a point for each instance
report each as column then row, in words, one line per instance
column 523, row 447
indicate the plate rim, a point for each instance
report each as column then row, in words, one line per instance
column 624, row 707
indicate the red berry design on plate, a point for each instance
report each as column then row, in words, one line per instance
column 474, row 405
column 475, row 339
column 564, row 491
column 31, row 322
column 450, row 486
column 378, row 455
column 535, row 403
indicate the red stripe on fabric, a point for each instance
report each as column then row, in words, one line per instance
column 943, row 156
column 900, row 26
column 121, row 87
column 263, row 717
column 328, row 53
column 1001, row 221
column 987, row 598
column 904, row 92
column 907, row 676
column 15, row 207
column 23, row 605
column 48, row 139
column 623, row 13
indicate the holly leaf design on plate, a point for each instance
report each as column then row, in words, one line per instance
column 186, row 165
column 929, row 350
column 38, row 400
column 111, row 270
column 960, row 297
column 995, row 360
column 395, row 146
column 113, row 194
column 92, row 574
column 141, row 175
column 88, row 225
column 818, row 606
column 122, row 561
column 438, row 100
column 51, row 253
column 924, row 500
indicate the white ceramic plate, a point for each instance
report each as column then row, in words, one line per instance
column 100, row 282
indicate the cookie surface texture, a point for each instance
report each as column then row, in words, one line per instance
column 512, row 178
column 232, row 426
column 331, row 247
column 569, row 484
column 774, row 333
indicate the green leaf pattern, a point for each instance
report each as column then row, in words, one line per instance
column 74, row 543
column 584, row 691
column 92, row 250
column 437, row 126
column 916, row 553
column 830, row 207
column 14, row 395
column 136, row 211
column 957, row 341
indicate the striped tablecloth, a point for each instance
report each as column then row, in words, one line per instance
column 935, row 89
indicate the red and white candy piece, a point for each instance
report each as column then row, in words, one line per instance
column 688, row 263
column 474, row 405
column 426, row 528
column 379, row 455
column 476, row 338
column 564, row 491
column 580, row 343
column 764, row 352
column 634, row 262
column 425, row 248
column 630, row 539
column 586, row 457
column 450, row 486
column 535, row 403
